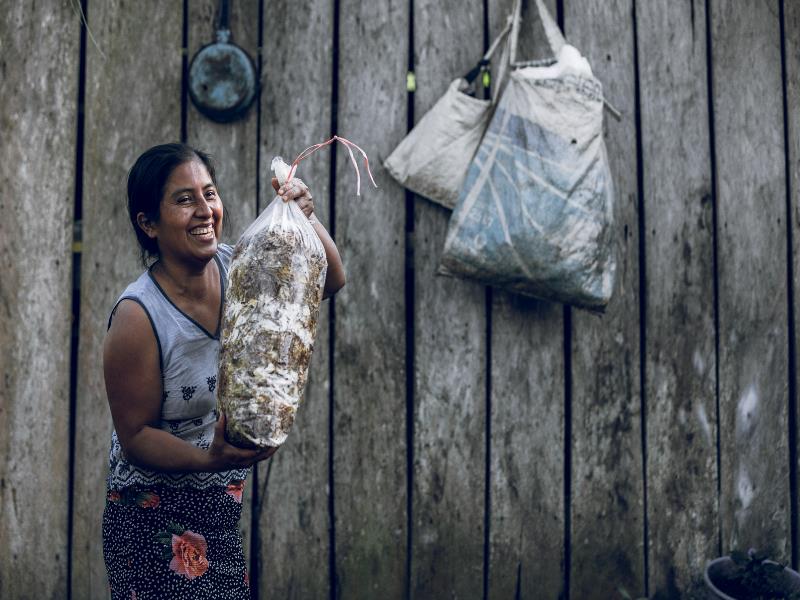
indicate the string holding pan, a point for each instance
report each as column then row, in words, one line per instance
column 222, row 78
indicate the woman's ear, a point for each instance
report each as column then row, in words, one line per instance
column 146, row 225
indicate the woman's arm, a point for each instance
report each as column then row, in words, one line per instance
column 133, row 385
column 334, row 278
column 298, row 191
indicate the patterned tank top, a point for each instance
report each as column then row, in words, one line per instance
column 189, row 356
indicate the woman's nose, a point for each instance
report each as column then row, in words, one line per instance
column 203, row 208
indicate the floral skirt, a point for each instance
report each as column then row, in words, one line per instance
column 164, row 542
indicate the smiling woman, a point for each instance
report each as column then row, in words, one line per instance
column 170, row 526
column 179, row 175
column 190, row 216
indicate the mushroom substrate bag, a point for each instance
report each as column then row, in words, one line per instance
column 275, row 284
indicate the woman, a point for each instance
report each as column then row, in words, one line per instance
column 175, row 485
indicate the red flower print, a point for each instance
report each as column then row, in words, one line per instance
column 189, row 554
column 235, row 489
column 114, row 496
column 147, row 499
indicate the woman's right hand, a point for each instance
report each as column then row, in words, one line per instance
column 225, row 456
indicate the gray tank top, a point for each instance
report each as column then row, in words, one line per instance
column 189, row 356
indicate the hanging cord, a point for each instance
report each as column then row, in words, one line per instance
column 79, row 11
column 499, row 38
column 349, row 145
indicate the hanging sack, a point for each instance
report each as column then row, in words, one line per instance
column 433, row 158
column 535, row 213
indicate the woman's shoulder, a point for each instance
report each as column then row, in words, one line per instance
column 135, row 290
column 131, row 334
column 130, row 319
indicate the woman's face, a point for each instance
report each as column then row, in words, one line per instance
column 190, row 221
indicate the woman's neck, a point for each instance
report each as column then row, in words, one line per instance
column 188, row 281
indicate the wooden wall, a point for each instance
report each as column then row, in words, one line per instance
column 456, row 441
column 37, row 177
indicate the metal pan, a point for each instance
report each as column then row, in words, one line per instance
column 222, row 77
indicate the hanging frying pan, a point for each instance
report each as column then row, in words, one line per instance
column 222, row 78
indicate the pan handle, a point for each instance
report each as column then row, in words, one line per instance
column 223, row 27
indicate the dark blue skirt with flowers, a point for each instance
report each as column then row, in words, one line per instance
column 164, row 542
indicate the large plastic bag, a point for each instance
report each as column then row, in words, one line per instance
column 535, row 215
column 275, row 283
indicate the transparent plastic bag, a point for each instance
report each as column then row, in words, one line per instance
column 275, row 283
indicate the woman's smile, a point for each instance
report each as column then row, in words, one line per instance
column 203, row 233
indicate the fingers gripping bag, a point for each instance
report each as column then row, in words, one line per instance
column 275, row 283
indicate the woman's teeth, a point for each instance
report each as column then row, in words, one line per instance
column 201, row 231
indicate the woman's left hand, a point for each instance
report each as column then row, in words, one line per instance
column 298, row 191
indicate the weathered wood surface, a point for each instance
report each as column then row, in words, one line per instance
column 232, row 147
column 37, row 188
column 752, row 273
column 526, row 522
column 679, row 317
column 133, row 101
column 369, row 443
column 449, row 329
column 791, row 29
column 526, row 530
column 607, row 517
column 294, row 519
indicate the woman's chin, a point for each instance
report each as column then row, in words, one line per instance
column 205, row 249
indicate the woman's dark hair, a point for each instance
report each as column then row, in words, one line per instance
column 147, row 180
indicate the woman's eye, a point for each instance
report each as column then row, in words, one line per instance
column 211, row 194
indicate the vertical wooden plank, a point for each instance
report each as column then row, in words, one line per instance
column 526, row 529
column 527, row 449
column 369, row 370
column 607, row 525
column 133, row 101
column 37, row 179
column 233, row 146
column 680, row 387
column 450, row 348
column 791, row 30
column 294, row 520
column 753, row 316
